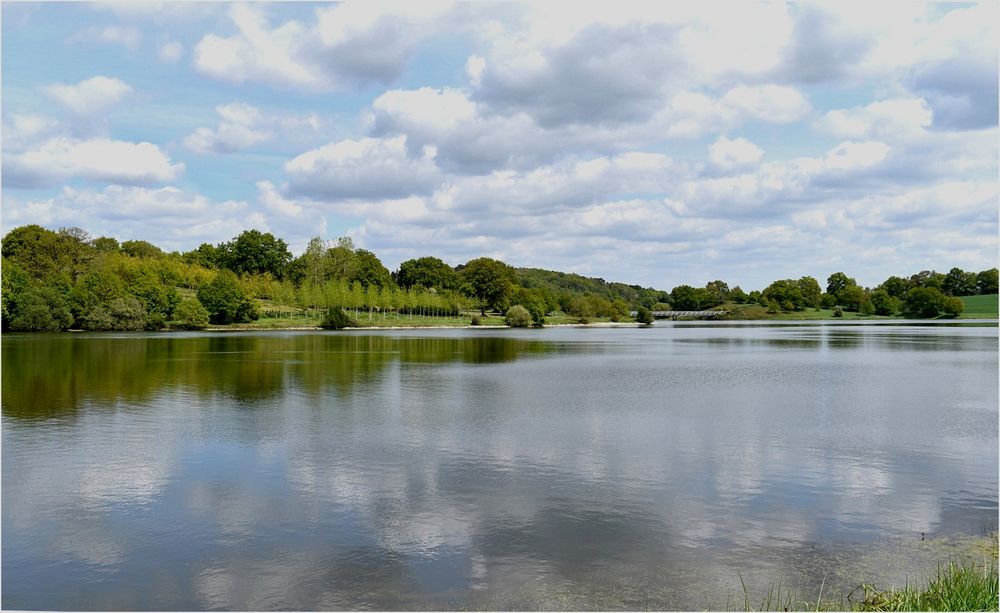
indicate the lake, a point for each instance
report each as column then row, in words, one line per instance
column 563, row 468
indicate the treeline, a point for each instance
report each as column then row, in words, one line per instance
column 57, row 280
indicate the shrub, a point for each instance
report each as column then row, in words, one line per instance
column 337, row 319
column 190, row 315
column 518, row 317
column 476, row 321
column 644, row 315
column 120, row 314
column 42, row 310
column 838, row 312
column 953, row 306
column 225, row 300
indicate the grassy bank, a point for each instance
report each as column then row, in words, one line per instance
column 968, row 585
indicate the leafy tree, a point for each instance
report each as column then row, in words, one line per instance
column 105, row 244
column 644, row 315
column 489, row 281
column 255, row 252
column 518, row 317
column 428, row 272
column 337, row 319
column 141, row 249
column 827, row 300
column 786, row 293
column 534, row 301
column 190, row 315
column 884, row 303
column 41, row 309
column 686, row 298
column 953, row 306
column 341, row 262
column 206, row 255
column 41, row 253
column 924, row 301
column 14, row 283
column 853, row 298
column 158, row 299
column 717, row 292
column 959, row 283
column 986, row 282
column 896, row 286
column 811, row 291
column 837, row 282
column 122, row 314
column 225, row 300
column 738, row 296
column 93, row 288
column 927, row 278
column 369, row 270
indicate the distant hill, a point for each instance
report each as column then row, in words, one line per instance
column 561, row 283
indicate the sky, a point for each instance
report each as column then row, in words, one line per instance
column 650, row 143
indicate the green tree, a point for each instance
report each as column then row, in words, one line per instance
column 105, row 244
column 644, row 315
column 959, row 283
column 428, row 272
column 836, row 283
column 340, row 259
column 141, row 249
column 190, row 315
column 853, row 298
column 518, row 317
column 369, row 270
column 489, row 281
column 811, row 291
column 121, row 314
column 786, row 293
column 717, row 292
column 884, row 303
column 896, row 287
column 225, row 300
column 41, row 309
column 986, row 282
column 953, row 306
column 924, row 301
column 255, row 252
column 686, row 298
column 206, row 255
column 337, row 319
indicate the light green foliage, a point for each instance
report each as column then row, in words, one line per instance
column 786, row 295
column 226, row 301
column 952, row 306
column 141, row 249
column 956, row 588
column 105, row 244
column 853, row 298
column 517, row 317
column 644, row 315
column 190, row 314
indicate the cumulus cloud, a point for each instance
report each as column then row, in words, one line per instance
column 103, row 159
column 168, row 216
column 728, row 154
column 369, row 168
column 89, row 96
column 346, row 44
column 235, row 132
column 893, row 118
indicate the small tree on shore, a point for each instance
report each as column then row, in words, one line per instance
column 644, row 315
column 518, row 317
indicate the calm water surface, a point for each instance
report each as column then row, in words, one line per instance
column 543, row 469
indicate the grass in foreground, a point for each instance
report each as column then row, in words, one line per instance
column 955, row 588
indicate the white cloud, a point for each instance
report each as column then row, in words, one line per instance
column 892, row 118
column 348, row 43
column 235, row 132
column 736, row 153
column 171, row 51
column 852, row 156
column 62, row 158
column 130, row 37
column 89, row 96
column 770, row 103
column 370, row 168
column 21, row 129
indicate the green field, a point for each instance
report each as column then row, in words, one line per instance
column 980, row 307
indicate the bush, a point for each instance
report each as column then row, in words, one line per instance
column 644, row 315
column 225, row 300
column 924, row 301
column 337, row 319
column 838, row 312
column 953, row 306
column 476, row 321
column 518, row 317
column 42, row 310
column 119, row 314
column 190, row 315
column 583, row 320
